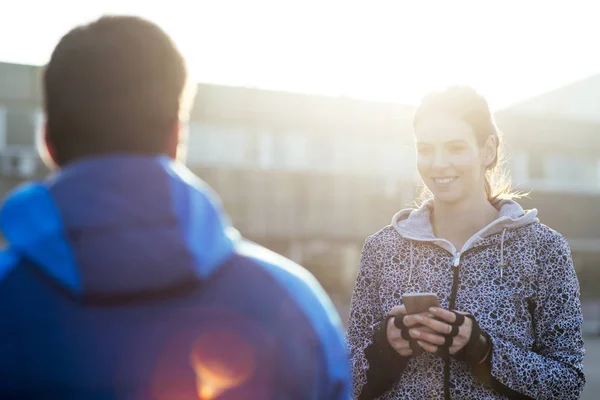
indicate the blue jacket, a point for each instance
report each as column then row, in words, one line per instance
column 123, row 280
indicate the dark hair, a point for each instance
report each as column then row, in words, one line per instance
column 115, row 85
column 465, row 103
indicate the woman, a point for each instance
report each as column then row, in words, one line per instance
column 509, row 321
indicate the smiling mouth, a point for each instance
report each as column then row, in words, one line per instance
column 445, row 181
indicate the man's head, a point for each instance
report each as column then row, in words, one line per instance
column 118, row 85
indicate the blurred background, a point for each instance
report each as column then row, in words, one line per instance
column 302, row 121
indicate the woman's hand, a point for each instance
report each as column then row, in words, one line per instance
column 394, row 334
column 453, row 331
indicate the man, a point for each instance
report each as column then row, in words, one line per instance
column 122, row 278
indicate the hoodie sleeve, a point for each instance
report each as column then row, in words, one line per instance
column 11, row 380
column 554, row 369
column 364, row 310
column 11, row 368
column 366, row 331
column 336, row 385
column 12, row 361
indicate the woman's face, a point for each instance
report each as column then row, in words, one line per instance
column 449, row 159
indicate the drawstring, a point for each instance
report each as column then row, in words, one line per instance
column 411, row 262
column 501, row 266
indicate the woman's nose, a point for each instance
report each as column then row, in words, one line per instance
column 439, row 160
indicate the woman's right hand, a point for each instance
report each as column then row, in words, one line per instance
column 394, row 335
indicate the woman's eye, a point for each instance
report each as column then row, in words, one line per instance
column 456, row 149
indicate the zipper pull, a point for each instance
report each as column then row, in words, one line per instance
column 456, row 259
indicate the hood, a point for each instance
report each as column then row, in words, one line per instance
column 119, row 225
column 415, row 224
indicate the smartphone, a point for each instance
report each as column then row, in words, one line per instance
column 419, row 302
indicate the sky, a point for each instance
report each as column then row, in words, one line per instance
column 394, row 50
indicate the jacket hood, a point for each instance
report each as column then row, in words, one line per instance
column 415, row 224
column 118, row 225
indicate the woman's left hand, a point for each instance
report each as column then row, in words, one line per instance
column 432, row 341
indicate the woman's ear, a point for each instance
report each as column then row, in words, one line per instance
column 489, row 152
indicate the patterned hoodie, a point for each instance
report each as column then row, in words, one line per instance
column 515, row 276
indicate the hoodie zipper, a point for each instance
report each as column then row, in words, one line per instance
column 451, row 306
column 455, row 280
column 456, row 262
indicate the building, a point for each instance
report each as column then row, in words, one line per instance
column 20, row 119
column 311, row 176
column 554, row 142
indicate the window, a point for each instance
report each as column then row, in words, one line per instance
column 518, row 164
column 21, row 126
column 572, row 170
column 536, row 166
column 290, row 150
column 562, row 172
column 211, row 144
column 3, row 113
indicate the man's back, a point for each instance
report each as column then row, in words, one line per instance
column 123, row 280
